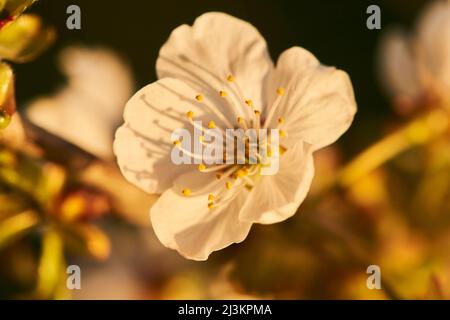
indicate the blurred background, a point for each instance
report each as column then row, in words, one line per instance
column 396, row 217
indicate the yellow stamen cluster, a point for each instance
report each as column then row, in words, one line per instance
column 242, row 173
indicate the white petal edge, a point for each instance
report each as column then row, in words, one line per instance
column 215, row 46
column 319, row 104
column 187, row 225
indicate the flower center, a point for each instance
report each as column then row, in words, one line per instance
column 245, row 169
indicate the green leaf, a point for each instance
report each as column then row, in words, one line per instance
column 42, row 182
column 5, row 119
column 14, row 8
column 11, row 203
column 24, row 39
column 14, row 227
column 50, row 185
column 7, row 100
column 87, row 239
column 51, row 265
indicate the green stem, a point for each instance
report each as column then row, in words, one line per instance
column 51, row 264
column 418, row 132
column 17, row 225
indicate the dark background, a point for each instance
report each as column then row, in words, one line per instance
column 335, row 31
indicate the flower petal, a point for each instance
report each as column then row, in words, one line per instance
column 434, row 44
column 143, row 144
column 398, row 66
column 215, row 47
column 296, row 58
column 318, row 105
column 87, row 111
column 277, row 198
column 187, row 225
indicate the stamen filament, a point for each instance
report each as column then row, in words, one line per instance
column 216, row 112
column 272, row 110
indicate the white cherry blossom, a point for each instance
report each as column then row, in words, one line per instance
column 219, row 71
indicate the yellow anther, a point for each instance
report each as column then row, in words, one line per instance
column 211, row 198
column 190, row 115
column 230, row 78
column 269, row 152
column 218, row 176
column 202, row 138
column 281, row 91
column 199, row 97
column 282, row 150
column 228, row 185
column 211, row 205
column 186, row 192
column 201, row 167
column 240, row 120
column 257, row 113
column 223, row 94
column 177, row 143
column 212, row 124
column 241, row 173
column 249, row 103
column 281, row 120
column 282, row 134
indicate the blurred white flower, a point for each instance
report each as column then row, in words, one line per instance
column 416, row 68
column 220, row 70
column 87, row 111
